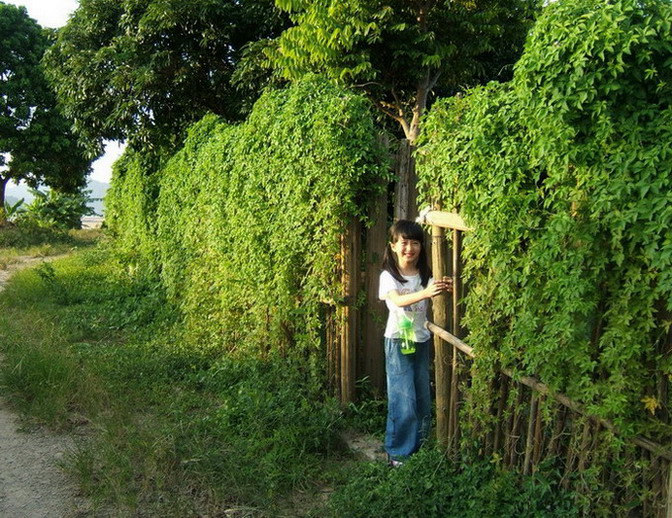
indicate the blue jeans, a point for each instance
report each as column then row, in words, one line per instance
column 409, row 409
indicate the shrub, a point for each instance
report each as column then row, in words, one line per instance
column 430, row 485
column 564, row 176
column 55, row 209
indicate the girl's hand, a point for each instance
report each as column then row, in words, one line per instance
column 439, row 286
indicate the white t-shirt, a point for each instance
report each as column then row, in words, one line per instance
column 417, row 312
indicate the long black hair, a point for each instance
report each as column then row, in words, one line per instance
column 407, row 230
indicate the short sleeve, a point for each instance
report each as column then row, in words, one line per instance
column 387, row 284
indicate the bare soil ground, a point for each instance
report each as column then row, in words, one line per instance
column 31, row 483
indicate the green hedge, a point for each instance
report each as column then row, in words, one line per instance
column 565, row 176
column 130, row 205
column 243, row 224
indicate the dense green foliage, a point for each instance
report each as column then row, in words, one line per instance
column 145, row 71
column 166, row 427
column 243, row 225
column 564, row 175
column 400, row 53
column 36, row 143
column 432, row 486
column 56, row 209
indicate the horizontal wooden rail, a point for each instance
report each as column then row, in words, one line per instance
column 442, row 219
column 535, row 384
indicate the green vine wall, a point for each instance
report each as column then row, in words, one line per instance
column 565, row 176
column 243, row 224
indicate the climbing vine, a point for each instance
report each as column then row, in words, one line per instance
column 243, row 224
column 565, row 175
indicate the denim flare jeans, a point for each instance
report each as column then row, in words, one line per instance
column 408, row 398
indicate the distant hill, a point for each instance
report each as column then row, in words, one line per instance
column 98, row 189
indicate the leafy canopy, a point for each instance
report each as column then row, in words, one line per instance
column 400, row 52
column 144, row 71
column 36, row 144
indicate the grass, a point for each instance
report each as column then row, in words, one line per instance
column 16, row 243
column 170, row 426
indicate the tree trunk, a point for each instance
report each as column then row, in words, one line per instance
column 3, row 212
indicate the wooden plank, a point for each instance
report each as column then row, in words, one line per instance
column 447, row 220
column 350, row 258
column 375, row 315
column 451, row 339
column 405, row 205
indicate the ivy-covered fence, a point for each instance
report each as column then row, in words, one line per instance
column 564, row 175
column 244, row 225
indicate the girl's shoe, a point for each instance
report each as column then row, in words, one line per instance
column 393, row 463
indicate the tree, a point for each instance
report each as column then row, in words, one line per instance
column 36, row 144
column 400, row 52
column 143, row 71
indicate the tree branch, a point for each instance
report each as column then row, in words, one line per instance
column 433, row 81
column 385, row 108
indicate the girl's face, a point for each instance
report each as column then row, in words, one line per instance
column 407, row 251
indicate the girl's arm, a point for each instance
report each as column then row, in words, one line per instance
column 430, row 291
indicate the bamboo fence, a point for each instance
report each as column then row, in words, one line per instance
column 529, row 423
column 522, row 435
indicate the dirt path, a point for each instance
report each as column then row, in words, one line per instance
column 31, row 483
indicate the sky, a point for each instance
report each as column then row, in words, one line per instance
column 55, row 14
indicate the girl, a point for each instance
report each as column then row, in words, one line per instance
column 406, row 285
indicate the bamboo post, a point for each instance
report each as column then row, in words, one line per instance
column 646, row 500
column 333, row 348
column 529, row 443
column 457, row 331
column 514, row 434
column 442, row 354
column 487, row 435
column 501, row 405
column 538, row 438
column 668, row 505
column 540, row 387
column 569, row 459
column 657, row 485
column 508, row 427
column 584, row 450
column 350, row 258
column 555, row 444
